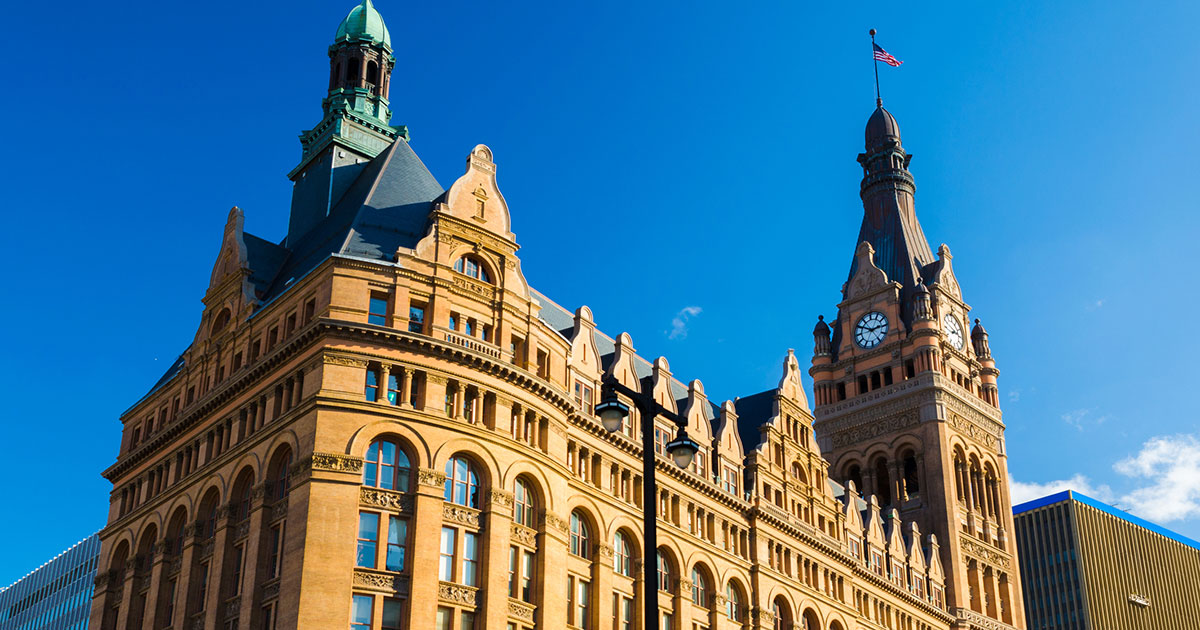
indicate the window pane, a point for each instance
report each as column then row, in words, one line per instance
column 386, row 474
column 360, row 618
column 368, row 536
column 468, row 620
column 446, row 565
column 470, row 559
column 397, row 539
column 392, row 610
column 387, row 452
column 443, row 618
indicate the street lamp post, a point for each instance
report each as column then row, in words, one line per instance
column 682, row 449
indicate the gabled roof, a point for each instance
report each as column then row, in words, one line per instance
column 386, row 208
column 753, row 411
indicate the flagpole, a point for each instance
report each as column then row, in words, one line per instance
column 878, row 100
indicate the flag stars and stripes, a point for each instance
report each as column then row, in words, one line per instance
column 885, row 56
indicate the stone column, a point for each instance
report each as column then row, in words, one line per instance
column 552, row 565
column 127, row 588
column 497, row 533
column 602, row 610
column 157, row 568
column 213, row 606
column 406, row 387
column 249, row 604
column 426, row 526
column 183, row 584
column 385, row 373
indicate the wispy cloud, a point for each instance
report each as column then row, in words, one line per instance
column 679, row 324
column 1076, row 417
column 1014, row 395
column 1166, row 471
column 1094, row 305
column 1170, row 468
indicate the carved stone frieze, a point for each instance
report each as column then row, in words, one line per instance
column 500, row 499
column 524, row 535
column 976, row 620
column 431, row 478
column 985, row 553
column 334, row 359
column 458, row 594
column 459, row 514
column 436, row 378
column 270, row 589
column 233, row 606
column 551, row 519
column 974, row 432
column 380, row 581
column 606, row 552
column 337, row 462
column 279, row 509
column 482, row 290
column 206, row 548
column 520, row 610
column 241, row 530
column 386, row 499
column 560, row 431
column 863, row 432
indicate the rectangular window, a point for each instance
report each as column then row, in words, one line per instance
column 272, row 337
column 239, row 553
column 453, row 323
column 468, row 621
column 268, row 617
column 202, row 585
column 698, row 466
column 372, row 389
column 377, row 313
column 360, row 614
column 514, row 555
column 397, row 543
column 485, row 332
column 368, row 539
column 393, row 388
column 526, row 594
column 237, row 361
column 291, row 325
column 393, row 611
column 310, row 309
column 469, row 328
column 470, row 567
column 169, row 613
column 543, row 364
column 444, row 615
column 446, row 561
column 274, row 542
column 416, row 318
column 583, row 397
column 730, row 480
column 255, row 350
column 662, row 437
column 580, row 608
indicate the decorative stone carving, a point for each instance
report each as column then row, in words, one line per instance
column 977, row 620
column 337, row 462
column 551, row 519
column 719, row 601
column 984, row 553
column 378, row 581
column 560, row 431
column 867, row 277
column 270, row 589
column 233, row 606
column 524, row 535
column 974, row 432
column 459, row 514
column 242, row 530
column 606, row 552
column 868, row 431
column 198, row 621
column 279, row 509
column 386, row 499
column 520, row 610
column 500, row 499
column 431, row 478
column 458, row 594
column 685, row 585
column 436, row 378
column 206, row 548
column 333, row 359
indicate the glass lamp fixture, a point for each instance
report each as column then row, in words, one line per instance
column 682, row 449
column 612, row 414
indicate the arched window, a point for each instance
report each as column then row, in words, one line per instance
column 221, row 321
column 883, row 485
column 470, row 266
column 664, row 574
column 735, row 603
column 783, row 614
column 810, row 620
column 622, row 558
column 580, row 538
column 241, row 497
column 699, row 588
column 387, row 466
column 372, row 73
column 523, row 503
column 462, row 484
column 206, row 517
column 912, row 484
column 352, row 71
column 854, row 473
column 277, row 474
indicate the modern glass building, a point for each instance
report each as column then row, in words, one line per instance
column 55, row 596
column 1087, row 565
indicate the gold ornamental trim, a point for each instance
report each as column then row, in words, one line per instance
column 337, row 462
column 385, row 499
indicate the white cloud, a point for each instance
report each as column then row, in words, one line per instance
column 1170, row 466
column 680, row 321
column 1096, row 305
column 1022, row 491
column 1166, row 471
column 1075, row 418
column 1014, row 395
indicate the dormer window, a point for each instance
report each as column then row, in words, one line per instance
column 470, row 266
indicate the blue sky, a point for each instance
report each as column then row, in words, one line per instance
column 664, row 162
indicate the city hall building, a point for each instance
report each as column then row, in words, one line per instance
column 379, row 424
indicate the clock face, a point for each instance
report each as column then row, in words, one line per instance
column 953, row 330
column 870, row 329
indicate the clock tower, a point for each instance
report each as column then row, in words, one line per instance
column 355, row 126
column 906, row 404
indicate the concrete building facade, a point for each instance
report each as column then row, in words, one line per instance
column 380, row 424
column 1087, row 565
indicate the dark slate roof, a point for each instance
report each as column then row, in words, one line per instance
column 264, row 258
column 753, row 411
column 386, row 208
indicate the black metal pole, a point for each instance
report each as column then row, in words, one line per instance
column 878, row 100
column 649, row 518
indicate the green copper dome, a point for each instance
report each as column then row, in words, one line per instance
column 364, row 22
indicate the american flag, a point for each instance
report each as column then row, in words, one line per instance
column 885, row 56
